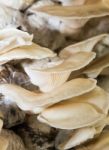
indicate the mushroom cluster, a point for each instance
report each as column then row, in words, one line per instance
column 54, row 75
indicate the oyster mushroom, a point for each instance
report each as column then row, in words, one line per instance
column 69, row 19
column 10, row 141
column 17, row 4
column 97, row 66
column 49, row 77
column 11, row 18
column 67, row 139
column 100, row 143
column 36, row 102
column 69, row 114
column 30, row 52
column 86, row 45
column 12, row 38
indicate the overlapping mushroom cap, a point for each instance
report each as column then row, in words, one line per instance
column 16, row 44
column 11, row 18
column 100, row 143
column 49, row 77
column 36, row 102
column 77, row 104
column 17, row 4
column 69, row 19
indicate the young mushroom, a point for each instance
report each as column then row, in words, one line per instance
column 36, row 102
column 50, row 74
column 87, row 45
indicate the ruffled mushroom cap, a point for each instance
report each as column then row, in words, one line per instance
column 67, row 139
column 49, row 78
column 78, row 112
column 36, row 102
column 70, row 115
column 70, row 19
column 100, row 143
column 85, row 46
column 11, row 18
column 17, row 4
column 31, row 52
column 97, row 66
column 12, row 38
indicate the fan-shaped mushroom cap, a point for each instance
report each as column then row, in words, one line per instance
column 67, row 139
column 71, row 115
column 12, row 38
column 70, row 19
column 17, row 4
column 97, row 66
column 33, row 51
column 11, row 18
column 97, row 97
column 50, row 78
column 70, row 138
column 100, row 143
column 36, row 102
column 86, row 46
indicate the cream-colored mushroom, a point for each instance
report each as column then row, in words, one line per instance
column 49, row 78
column 11, row 18
column 70, row 115
column 36, row 102
column 100, row 143
column 70, row 19
column 66, row 114
column 97, row 66
column 17, row 4
column 86, row 45
column 67, row 139
column 12, row 38
column 31, row 52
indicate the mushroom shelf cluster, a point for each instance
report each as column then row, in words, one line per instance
column 54, row 75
